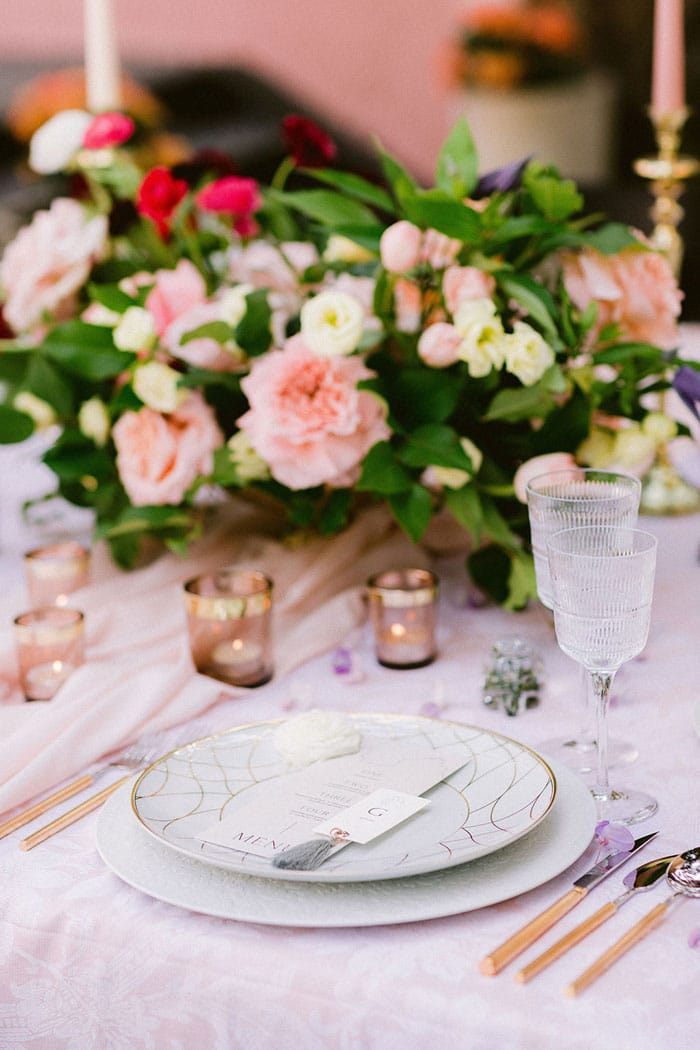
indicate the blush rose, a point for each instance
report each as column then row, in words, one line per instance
column 307, row 419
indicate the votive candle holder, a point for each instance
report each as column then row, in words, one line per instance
column 229, row 621
column 49, row 645
column 55, row 571
column 403, row 613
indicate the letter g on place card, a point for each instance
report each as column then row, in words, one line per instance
column 375, row 814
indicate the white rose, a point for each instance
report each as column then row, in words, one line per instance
column 633, row 450
column 156, row 385
column 342, row 249
column 659, row 427
column 481, row 329
column 39, row 410
column 93, row 420
column 455, row 477
column 56, row 142
column 527, row 355
column 332, row 323
column 233, row 303
column 249, row 465
column 136, row 330
column 316, row 736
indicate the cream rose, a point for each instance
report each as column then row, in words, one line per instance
column 482, row 336
column 454, row 477
column 39, row 410
column 527, row 355
column 136, row 330
column 332, row 323
column 342, row 249
column 249, row 465
column 156, row 385
column 93, row 420
column 55, row 143
column 49, row 261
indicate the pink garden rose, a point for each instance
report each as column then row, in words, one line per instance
column 307, row 419
column 202, row 352
column 635, row 289
column 174, row 293
column 460, row 283
column 532, row 468
column 408, row 305
column 265, row 266
column 49, row 261
column 438, row 345
column 400, row 247
column 439, row 250
column 159, row 456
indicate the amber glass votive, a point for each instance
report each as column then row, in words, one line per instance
column 49, row 645
column 55, row 571
column 229, row 622
column 402, row 607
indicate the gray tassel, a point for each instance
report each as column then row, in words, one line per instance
column 307, row 856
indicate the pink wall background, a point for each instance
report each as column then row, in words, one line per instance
column 369, row 64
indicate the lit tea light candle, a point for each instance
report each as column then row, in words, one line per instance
column 55, row 571
column 43, row 681
column 402, row 610
column 239, row 656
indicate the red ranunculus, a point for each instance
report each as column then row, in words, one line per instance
column 158, row 196
column 238, row 197
column 308, row 145
column 108, row 129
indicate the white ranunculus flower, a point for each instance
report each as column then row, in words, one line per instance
column 659, row 427
column 481, row 329
column 56, row 142
column 527, row 355
column 316, row 736
column 156, row 385
column 332, row 323
column 136, row 330
column 249, row 465
column 597, row 449
column 39, row 410
column 342, row 249
column 233, row 304
column 454, row 477
column 633, row 448
column 93, row 420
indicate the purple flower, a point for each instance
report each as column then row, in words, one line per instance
column 501, row 180
column 686, row 383
column 694, row 938
column 616, row 837
column 342, row 660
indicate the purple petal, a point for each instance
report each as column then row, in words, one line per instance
column 342, row 660
column 430, row 709
column 694, row 938
column 616, row 837
column 686, row 383
column 501, row 180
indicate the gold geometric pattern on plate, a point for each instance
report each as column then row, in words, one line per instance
column 502, row 792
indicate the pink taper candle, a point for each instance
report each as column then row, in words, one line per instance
column 102, row 73
column 668, row 66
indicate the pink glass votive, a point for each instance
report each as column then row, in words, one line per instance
column 49, row 643
column 402, row 607
column 55, row 571
column 229, row 623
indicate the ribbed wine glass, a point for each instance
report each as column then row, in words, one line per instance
column 572, row 498
column 602, row 586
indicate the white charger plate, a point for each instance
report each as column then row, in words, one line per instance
column 148, row 865
column 501, row 793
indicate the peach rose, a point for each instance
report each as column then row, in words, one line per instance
column 307, row 419
column 460, row 283
column 202, row 352
column 265, row 266
column 408, row 305
column 635, row 289
column 400, row 247
column 49, row 261
column 439, row 250
column 438, row 345
column 532, row 468
column 159, row 456
column 174, row 293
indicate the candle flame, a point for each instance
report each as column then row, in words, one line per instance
column 398, row 632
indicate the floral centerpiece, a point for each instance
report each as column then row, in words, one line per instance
column 324, row 340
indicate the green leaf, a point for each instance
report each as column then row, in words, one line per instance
column 489, row 568
column 522, row 585
column 332, row 209
column 73, row 456
column 86, row 350
column 219, row 331
column 413, row 510
column 14, row 426
column 496, row 527
column 515, row 405
column 111, row 296
column 532, row 296
column 253, row 331
column 48, row 383
column 457, row 168
column 434, row 445
column 381, row 473
column 611, row 238
column 399, row 180
column 334, row 515
column 566, row 426
column 465, row 506
column 622, row 352
column 423, row 395
column 149, row 519
column 439, row 212
column 13, row 361
column 366, row 236
column 354, row 186
column 556, row 198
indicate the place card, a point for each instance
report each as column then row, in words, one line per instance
column 287, row 810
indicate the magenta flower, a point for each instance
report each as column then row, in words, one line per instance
column 107, row 130
column 237, row 196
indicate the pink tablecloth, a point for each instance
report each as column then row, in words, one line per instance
column 88, row 963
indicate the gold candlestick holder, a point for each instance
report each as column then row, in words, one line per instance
column 663, row 490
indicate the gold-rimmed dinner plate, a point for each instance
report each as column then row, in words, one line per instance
column 501, row 793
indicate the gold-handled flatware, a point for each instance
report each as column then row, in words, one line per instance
column 640, row 879
column 26, row 816
column 515, row 945
column 77, row 813
column 683, row 876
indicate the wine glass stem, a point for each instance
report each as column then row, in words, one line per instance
column 602, row 683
